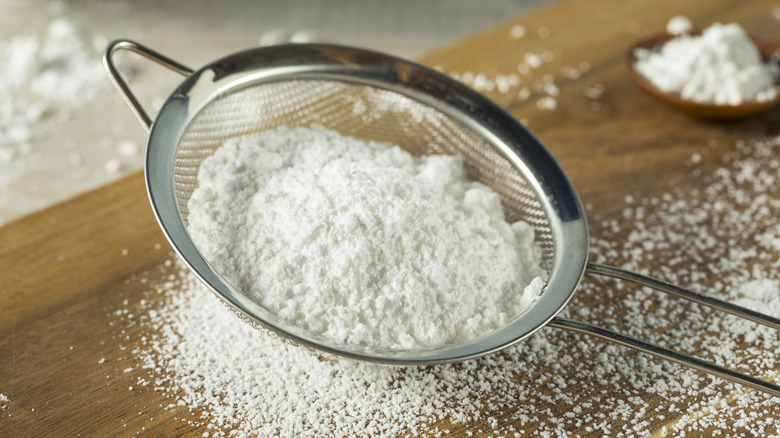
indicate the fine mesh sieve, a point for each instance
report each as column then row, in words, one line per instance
column 376, row 97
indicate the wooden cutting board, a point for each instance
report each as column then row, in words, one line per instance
column 66, row 271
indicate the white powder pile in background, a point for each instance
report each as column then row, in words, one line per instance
column 360, row 241
column 52, row 89
column 44, row 76
column 239, row 381
column 720, row 66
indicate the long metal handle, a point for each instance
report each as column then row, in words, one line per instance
column 121, row 84
column 662, row 286
column 664, row 353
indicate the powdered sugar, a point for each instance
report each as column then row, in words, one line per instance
column 553, row 384
column 721, row 66
column 52, row 90
column 361, row 242
column 39, row 75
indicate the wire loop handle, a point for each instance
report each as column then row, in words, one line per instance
column 121, row 84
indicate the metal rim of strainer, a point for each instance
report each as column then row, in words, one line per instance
column 506, row 134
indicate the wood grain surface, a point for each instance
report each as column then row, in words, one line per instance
column 67, row 271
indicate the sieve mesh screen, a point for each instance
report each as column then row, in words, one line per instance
column 361, row 111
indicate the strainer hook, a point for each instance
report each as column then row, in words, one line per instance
column 121, row 83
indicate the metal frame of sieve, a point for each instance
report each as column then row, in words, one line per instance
column 303, row 83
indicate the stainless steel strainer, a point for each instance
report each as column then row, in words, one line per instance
column 377, row 97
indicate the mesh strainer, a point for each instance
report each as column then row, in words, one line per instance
column 376, row 97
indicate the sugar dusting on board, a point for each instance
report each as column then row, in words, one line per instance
column 361, row 242
column 242, row 382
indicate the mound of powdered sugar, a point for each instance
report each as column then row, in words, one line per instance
column 720, row 66
column 360, row 241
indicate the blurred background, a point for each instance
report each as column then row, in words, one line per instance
column 64, row 129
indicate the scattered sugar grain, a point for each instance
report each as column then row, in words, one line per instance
column 128, row 148
column 303, row 36
column 524, row 93
column 594, row 92
column 547, row 103
column 571, row 73
column 523, row 68
column 532, row 60
column 76, row 159
column 113, row 166
column 551, row 89
column 517, row 31
column 679, row 25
